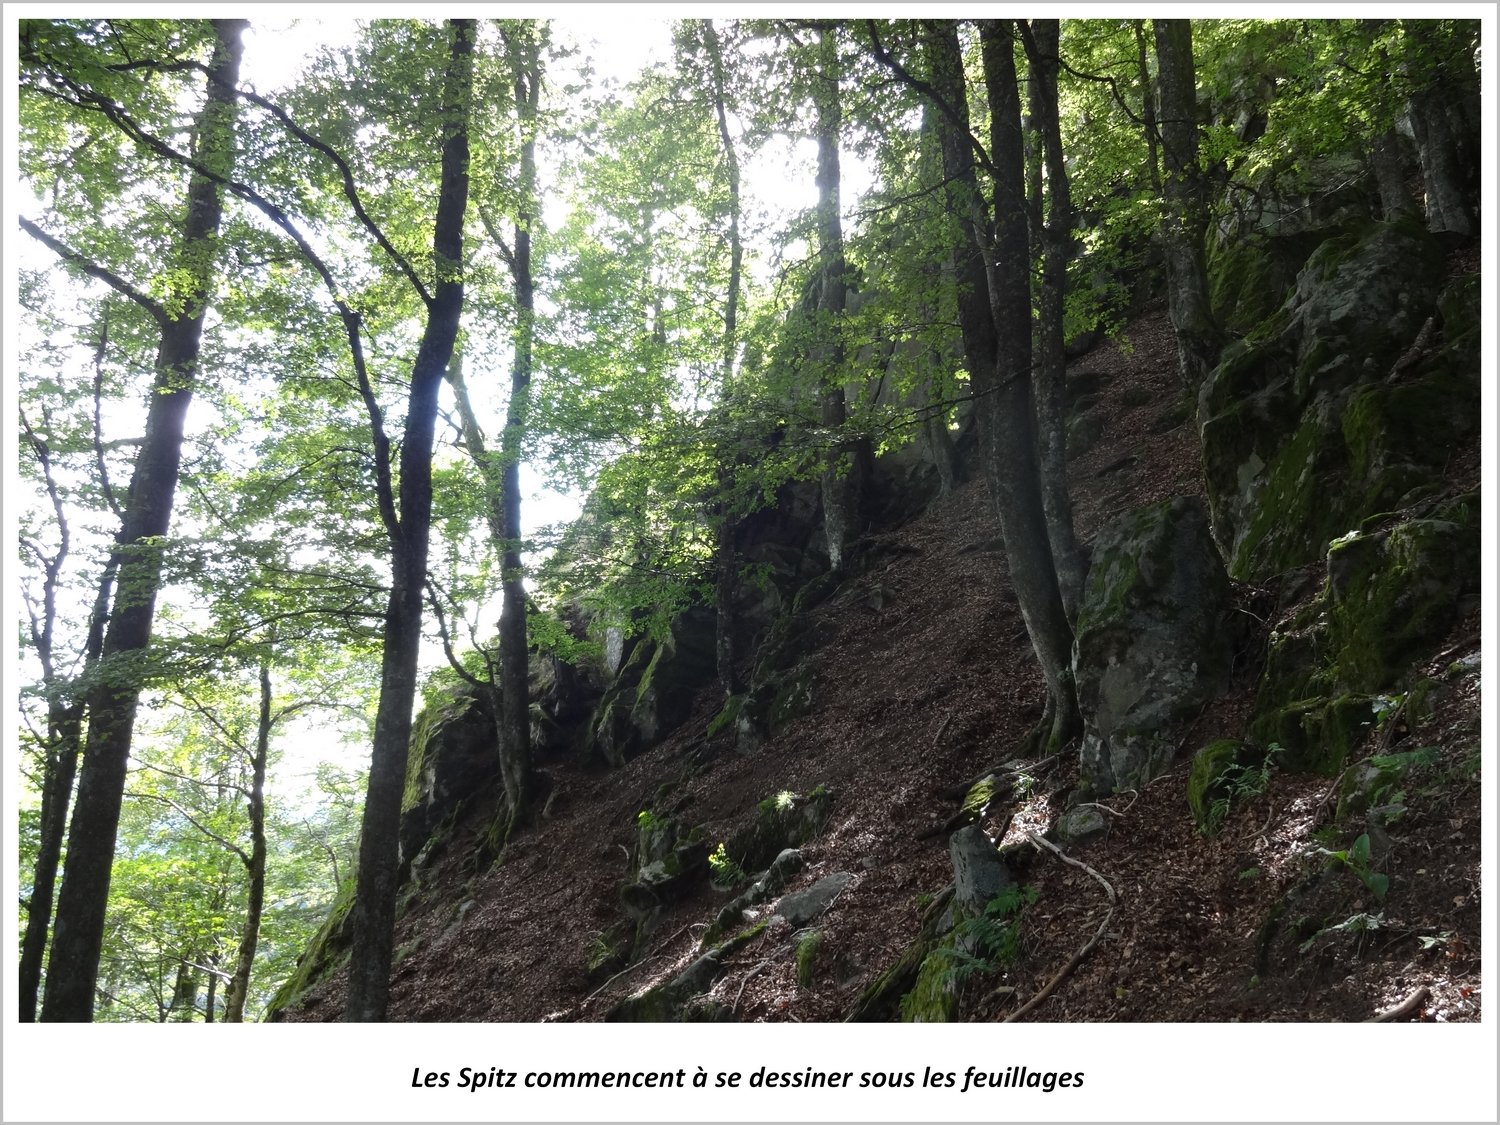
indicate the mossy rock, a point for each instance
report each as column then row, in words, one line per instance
column 934, row 994
column 807, row 956
column 1303, row 434
column 1378, row 779
column 783, row 821
column 1395, row 594
column 1206, row 779
column 328, row 949
column 1318, row 735
column 1152, row 643
column 452, row 755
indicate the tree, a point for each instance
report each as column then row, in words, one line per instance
column 995, row 316
column 112, row 702
column 1184, row 204
column 1056, row 239
column 843, row 480
column 408, row 518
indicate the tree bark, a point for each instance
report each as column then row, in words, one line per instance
column 515, row 715
column 994, row 316
column 64, row 745
column 1184, row 219
column 1435, row 89
column 1050, row 363
column 726, row 521
column 843, row 480
column 374, row 909
column 239, row 981
column 78, row 933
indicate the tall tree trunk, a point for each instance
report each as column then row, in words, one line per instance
column 1184, row 220
column 374, row 910
column 65, row 744
column 523, row 55
column 843, row 480
column 1148, row 107
column 1434, row 90
column 1050, row 363
column 726, row 561
column 1008, row 411
column 239, row 981
column 78, row 934
column 994, row 318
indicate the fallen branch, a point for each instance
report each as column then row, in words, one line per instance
column 740, row 994
column 621, row 973
column 1066, row 971
column 1005, row 771
column 948, row 718
column 1412, row 1005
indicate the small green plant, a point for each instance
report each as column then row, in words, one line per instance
column 1432, row 941
column 648, row 820
column 726, row 872
column 1249, row 873
column 981, row 944
column 923, row 899
column 1239, row 785
column 1357, row 924
column 1356, row 857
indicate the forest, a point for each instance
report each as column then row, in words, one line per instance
column 935, row 465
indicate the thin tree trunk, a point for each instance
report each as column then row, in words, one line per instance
column 78, row 934
column 1148, row 107
column 1437, row 148
column 994, row 318
column 1184, row 221
column 1007, row 410
column 726, row 561
column 239, row 981
column 843, row 480
column 1050, row 361
column 515, row 717
column 374, row 910
column 65, row 744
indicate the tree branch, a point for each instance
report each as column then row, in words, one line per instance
column 93, row 269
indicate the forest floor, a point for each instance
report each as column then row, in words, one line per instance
column 925, row 681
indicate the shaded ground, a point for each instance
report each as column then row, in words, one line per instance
column 925, row 680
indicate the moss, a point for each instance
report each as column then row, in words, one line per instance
column 1395, row 594
column 1205, row 779
column 1294, row 517
column 807, row 956
column 724, row 720
column 1318, row 735
column 327, row 950
column 934, row 995
column 978, row 798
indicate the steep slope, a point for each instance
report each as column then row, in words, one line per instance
column 916, row 676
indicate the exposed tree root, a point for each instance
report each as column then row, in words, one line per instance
column 1411, row 1006
column 1066, row 971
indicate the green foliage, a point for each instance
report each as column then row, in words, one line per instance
column 1358, row 925
column 1356, row 858
column 1238, row 784
column 982, row 944
column 725, row 871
